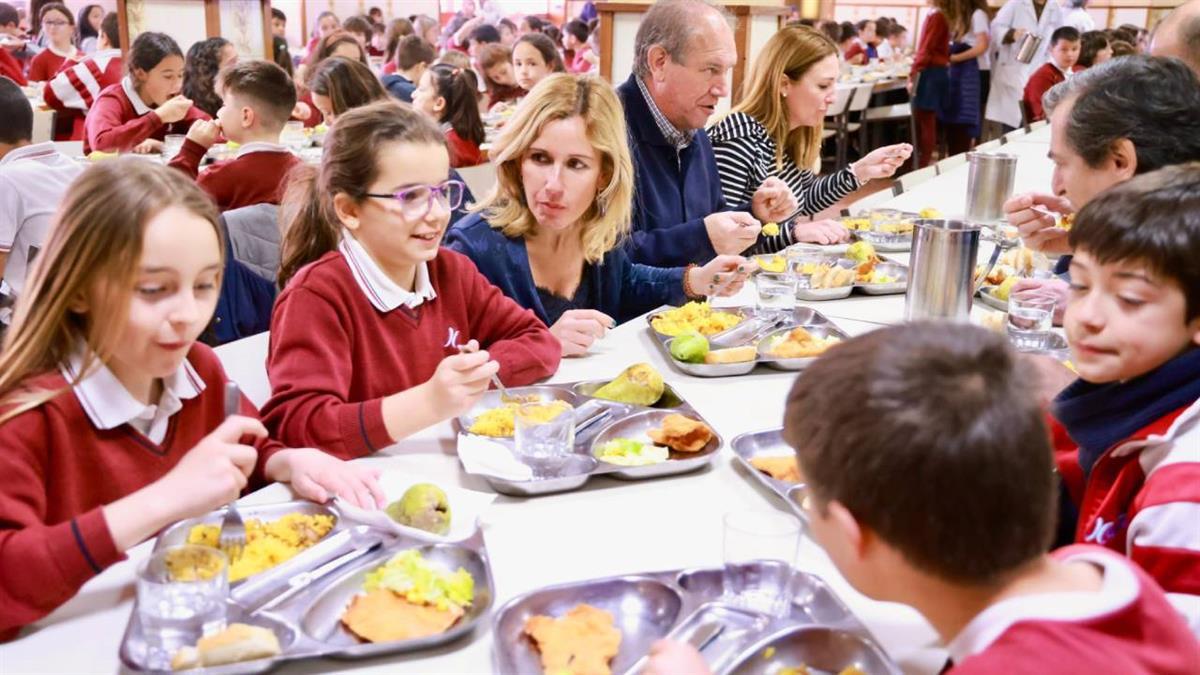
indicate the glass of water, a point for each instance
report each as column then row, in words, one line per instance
column 172, row 144
column 760, row 552
column 293, row 136
column 776, row 292
column 1029, row 320
column 545, row 436
column 181, row 597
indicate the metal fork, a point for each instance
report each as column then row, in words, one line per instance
column 232, row 537
column 505, row 397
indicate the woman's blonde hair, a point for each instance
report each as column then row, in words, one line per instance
column 558, row 97
column 790, row 52
column 92, row 255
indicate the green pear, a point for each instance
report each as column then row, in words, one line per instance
column 423, row 506
column 639, row 384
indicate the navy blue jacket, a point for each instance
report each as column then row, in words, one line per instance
column 399, row 86
column 621, row 289
column 673, row 191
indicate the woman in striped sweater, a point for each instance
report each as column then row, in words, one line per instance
column 776, row 131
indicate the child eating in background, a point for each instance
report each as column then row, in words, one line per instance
column 258, row 100
column 112, row 418
column 1064, row 52
column 966, row 544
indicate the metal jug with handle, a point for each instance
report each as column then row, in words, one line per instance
column 990, row 180
column 941, row 276
column 1029, row 47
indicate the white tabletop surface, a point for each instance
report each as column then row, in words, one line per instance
column 608, row 527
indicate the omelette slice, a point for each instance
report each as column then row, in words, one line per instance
column 582, row 642
column 383, row 616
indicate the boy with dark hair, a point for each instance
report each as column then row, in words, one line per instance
column 71, row 91
column 482, row 35
column 1127, row 432
column 1064, row 53
column 11, row 38
column 935, row 488
column 258, row 100
column 413, row 56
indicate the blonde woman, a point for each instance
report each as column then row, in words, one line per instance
column 550, row 233
column 776, row 131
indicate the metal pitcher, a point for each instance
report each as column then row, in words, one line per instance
column 1029, row 47
column 942, row 270
column 989, row 184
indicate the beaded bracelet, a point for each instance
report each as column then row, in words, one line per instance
column 688, row 291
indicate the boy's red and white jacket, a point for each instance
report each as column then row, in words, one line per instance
column 74, row 88
column 1142, row 498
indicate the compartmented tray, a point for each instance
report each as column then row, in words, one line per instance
column 769, row 443
column 302, row 600
column 597, row 421
column 883, row 241
column 987, row 295
column 886, row 265
column 678, row 604
column 754, row 331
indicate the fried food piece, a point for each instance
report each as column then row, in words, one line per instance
column 731, row 355
column 383, row 616
column 865, row 269
column 681, row 433
column 832, row 276
column 583, row 642
column 781, row 467
column 800, row 344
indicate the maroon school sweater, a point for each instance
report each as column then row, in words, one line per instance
column 333, row 357
column 57, row 472
column 113, row 123
column 252, row 178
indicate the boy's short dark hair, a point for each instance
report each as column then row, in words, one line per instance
column 264, row 86
column 1068, row 33
column 930, row 434
column 359, row 25
column 16, row 114
column 110, row 25
column 1154, row 219
column 8, row 14
column 576, row 28
column 485, row 33
column 413, row 49
column 277, row 13
column 507, row 23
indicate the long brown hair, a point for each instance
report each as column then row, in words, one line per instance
column 957, row 14
column 349, row 165
column 93, row 252
column 790, row 52
column 348, row 84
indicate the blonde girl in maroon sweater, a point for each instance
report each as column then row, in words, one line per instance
column 365, row 337
column 112, row 417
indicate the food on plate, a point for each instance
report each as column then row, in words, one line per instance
column 779, row 467
column 832, row 276
column 630, row 452
column 995, row 276
column 879, row 277
column 803, row 669
column 423, row 506
column 238, row 642
column 860, row 223
column 1002, row 291
column 690, row 348
column 929, row 212
column 681, row 433
column 800, row 344
column 268, row 543
column 581, row 642
column 193, row 563
column 408, row 597
column 994, row 321
column 694, row 316
column 861, row 252
column 639, row 384
column 731, row 355
column 500, row 422
column 1067, row 222
column 100, row 156
column 772, row 263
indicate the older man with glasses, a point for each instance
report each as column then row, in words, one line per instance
column 684, row 51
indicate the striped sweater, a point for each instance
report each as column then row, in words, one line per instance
column 746, row 157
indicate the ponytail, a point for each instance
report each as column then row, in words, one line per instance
column 308, row 231
column 459, row 87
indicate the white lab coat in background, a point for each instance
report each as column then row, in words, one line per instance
column 1009, row 75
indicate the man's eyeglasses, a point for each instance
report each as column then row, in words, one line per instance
column 416, row 201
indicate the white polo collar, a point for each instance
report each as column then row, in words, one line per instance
column 1118, row 590
column 32, row 151
column 383, row 293
column 139, row 106
column 261, row 146
column 109, row 404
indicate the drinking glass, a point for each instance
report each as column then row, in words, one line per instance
column 776, row 293
column 1029, row 320
column 545, row 436
column 760, row 552
column 172, row 144
column 181, row 597
column 293, row 136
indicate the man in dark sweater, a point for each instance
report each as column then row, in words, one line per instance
column 684, row 51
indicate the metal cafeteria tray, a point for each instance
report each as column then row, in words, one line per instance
column 769, row 443
column 308, row 622
column 987, row 295
column 678, row 603
column 891, row 267
column 884, row 242
column 597, row 421
column 751, row 333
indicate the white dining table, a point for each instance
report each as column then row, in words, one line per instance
column 606, row 528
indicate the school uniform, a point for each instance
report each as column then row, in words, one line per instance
column 256, row 175
column 1126, row 626
column 1129, row 457
column 1042, row 79
column 33, row 180
column 12, row 68
column 579, row 65
column 462, row 151
column 73, row 89
column 1008, row 74
column 344, row 336
column 87, row 447
column 857, row 47
column 931, row 94
column 119, row 120
column 47, row 63
column 399, row 86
